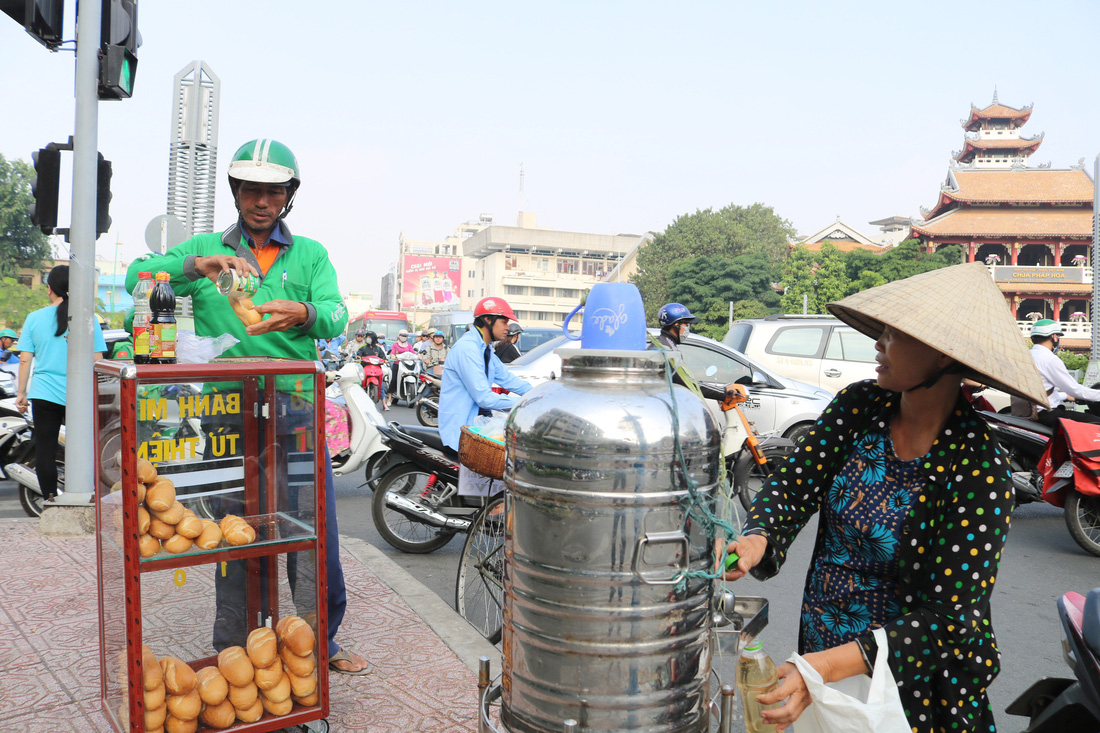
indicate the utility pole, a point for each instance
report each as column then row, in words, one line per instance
column 1092, row 373
column 80, row 445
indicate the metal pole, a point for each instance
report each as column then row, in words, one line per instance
column 1092, row 373
column 114, row 273
column 482, row 686
column 725, row 723
column 79, row 420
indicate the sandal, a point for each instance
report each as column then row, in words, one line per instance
column 342, row 656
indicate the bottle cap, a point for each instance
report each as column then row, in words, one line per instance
column 754, row 646
column 163, row 277
column 145, row 275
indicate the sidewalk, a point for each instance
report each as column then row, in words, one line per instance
column 425, row 659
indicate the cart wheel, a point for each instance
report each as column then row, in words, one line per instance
column 479, row 588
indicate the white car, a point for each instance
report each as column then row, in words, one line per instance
column 776, row 406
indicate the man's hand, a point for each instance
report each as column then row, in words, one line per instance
column 212, row 266
column 285, row 315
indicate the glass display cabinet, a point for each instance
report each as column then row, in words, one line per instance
column 210, row 523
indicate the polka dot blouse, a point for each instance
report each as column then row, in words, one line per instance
column 920, row 557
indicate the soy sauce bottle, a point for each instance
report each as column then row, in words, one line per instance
column 162, row 323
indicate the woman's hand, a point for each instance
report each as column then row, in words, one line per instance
column 750, row 550
column 21, row 404
column 792, row 688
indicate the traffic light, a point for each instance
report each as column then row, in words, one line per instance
column 41, row 18
column 44, row 187
column 103, row 197
column 118, row 43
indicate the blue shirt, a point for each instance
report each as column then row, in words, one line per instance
column 466, row 388
column 51, row 353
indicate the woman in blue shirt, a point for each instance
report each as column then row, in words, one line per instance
column 44, row 342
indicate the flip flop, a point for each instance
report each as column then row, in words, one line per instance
column 342, row 656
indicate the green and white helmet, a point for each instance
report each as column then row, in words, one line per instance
column 265, row 161
column 1045, row 328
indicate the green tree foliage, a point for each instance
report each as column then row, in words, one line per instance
column 820, row 276
column 707, row 285
column 730, row 232
column 21, row 243
column 17, row 301
column 905, row 260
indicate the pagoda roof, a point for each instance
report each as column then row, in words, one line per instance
column 1017, row 223
column 997, row 111
column 839, row 234
column 1014, row 186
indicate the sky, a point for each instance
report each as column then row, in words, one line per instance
column 414, row 117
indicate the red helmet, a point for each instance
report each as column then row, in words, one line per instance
column 494, row 307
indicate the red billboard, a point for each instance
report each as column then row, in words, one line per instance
column 431, row 283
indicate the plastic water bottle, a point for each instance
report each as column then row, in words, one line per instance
column 142, row 314
column 162, row 324
column 756, row 675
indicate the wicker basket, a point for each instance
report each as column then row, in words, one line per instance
column 481, row 454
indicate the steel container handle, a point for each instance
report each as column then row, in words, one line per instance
column 661, row 538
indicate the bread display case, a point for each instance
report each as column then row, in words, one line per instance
column 210, row 542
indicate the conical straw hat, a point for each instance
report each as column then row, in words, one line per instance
column 959, row 311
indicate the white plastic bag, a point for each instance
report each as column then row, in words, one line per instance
column 192, row 349
column 859, row 704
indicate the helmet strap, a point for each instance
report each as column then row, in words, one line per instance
column 954, row 368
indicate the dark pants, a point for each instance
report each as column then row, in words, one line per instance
column 1050, row 417
column 48, row 419
column 230, row 626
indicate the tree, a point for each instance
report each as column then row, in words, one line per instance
column 17, row 301
column 22, row 244
column 707, row 285
column 820, row 276
column 905, row 260
column 731, row 232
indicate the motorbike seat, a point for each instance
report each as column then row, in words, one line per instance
column 1019, row 422
column 428, row 436
column 1090, row 624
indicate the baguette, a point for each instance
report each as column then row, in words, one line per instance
column 143, row 520
column 179, row 678
column 269, row 676
column 152, row 676
column 178, row 725
column 185, row 707
column 245, row 310
column 300, row 666
column 252, row 714
column 177, row 543
column 154, row 717
column 160, row 495
column 279, row 692
column 172, row 515
column 309, row 700
column 221, row 715
column 146, row 471
column 302, row 686
column 234, row 664
column 277, row 708
column 212, row 687
column 190, row 526
column 236, row 531
column 211, row 535
column 155, row 697
column 141, row 489
column 262, row 647
column 243, row 697
column 160, row 530
column 148, row 545
column 296, row 635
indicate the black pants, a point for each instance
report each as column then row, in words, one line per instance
column 1050, row 417
column 48, row 419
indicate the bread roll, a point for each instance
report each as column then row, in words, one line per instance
column 307, row 701
column 280, row 691
column 160, row 495
column 179, row 678
column 221, row 715
column 148, row 545
column 146, row 471
column 262, row 647
column 152, row 676
column 185, row 707
column 177, row 725
column 300, row 666
column 172, row 515
column 190, row 526
column 141, row 489
column 154, row 717
column 243, row 697
column 268, row 677
column 277, row 708
column 177, row 543
column 252, row 714
column 160, row 530
column 302, row 686
column 235, row 666
column 236, row 531
column 155, row 697
column 245, row 310
column 143, row 520
column 296, row 635
column 211, row 535
column 211, row 685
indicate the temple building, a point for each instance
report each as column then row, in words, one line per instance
column 1031, row 226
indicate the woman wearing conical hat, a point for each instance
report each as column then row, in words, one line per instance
column 914, row 496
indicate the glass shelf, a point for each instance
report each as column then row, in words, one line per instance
column 273, row 532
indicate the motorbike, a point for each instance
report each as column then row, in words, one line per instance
column 365, row 445
column 373, row 379
column 1054, row 705
column 416, row 506
column 426, row 401
column 402, row 384
column 1042, row 471
column 17, row 453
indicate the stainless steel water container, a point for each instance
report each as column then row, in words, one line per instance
column 596, row 628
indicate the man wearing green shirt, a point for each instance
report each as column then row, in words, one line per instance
column 300, row 302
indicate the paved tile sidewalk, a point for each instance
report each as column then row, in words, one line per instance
column 49, row 670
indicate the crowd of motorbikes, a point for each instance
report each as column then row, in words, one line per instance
column 417, row 507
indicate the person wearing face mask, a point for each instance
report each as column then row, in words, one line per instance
column 1046, row 336
column 675, row 321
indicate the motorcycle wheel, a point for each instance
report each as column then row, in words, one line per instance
column 1083, row 521
column 427, row 415
column 372, row 392
column 748, row 476
column 31, row 502
column 479, row 588
column 399, row 531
